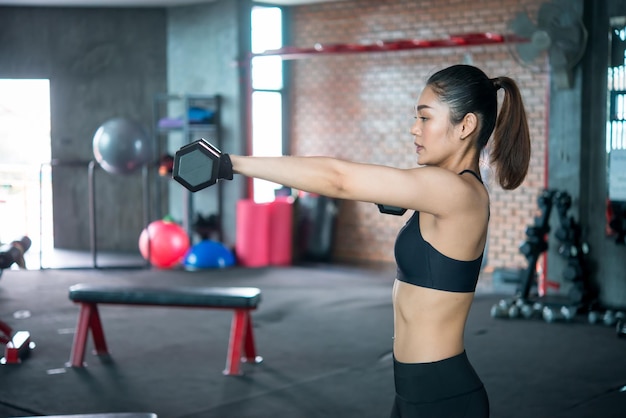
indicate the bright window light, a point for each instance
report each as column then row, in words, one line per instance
column 267, row 73
column 267, row 83
column 25, row 177
column 25, row 117
column 267, row 28
column 267, row 132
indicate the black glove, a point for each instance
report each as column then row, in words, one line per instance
column 225, row 170
column 200, row 164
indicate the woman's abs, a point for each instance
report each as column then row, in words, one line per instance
column 428, row 324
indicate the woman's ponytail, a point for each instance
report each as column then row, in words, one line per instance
column 510, row 152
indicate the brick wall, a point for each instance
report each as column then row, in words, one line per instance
column 360, row 106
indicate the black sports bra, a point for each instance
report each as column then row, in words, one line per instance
column 420, row 264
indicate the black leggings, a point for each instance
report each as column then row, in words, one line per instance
column 447, row 388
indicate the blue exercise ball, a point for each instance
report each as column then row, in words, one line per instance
column 121, row 146
column 208, row 254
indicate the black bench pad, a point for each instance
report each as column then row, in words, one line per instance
column 217, row 297
column 111, row 415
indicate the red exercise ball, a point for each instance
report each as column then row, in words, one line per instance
column 165, row 242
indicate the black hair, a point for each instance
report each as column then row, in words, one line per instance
column 467, row 89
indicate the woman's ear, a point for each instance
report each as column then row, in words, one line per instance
column 468, row 125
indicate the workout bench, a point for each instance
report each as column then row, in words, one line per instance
column 241, row 300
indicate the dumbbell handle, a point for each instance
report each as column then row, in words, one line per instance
column 203, row 143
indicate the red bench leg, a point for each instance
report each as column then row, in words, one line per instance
column 88, row 318
column 249, row 345
column 241, row 339
column 97, row 332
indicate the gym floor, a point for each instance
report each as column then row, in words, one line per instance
column 324, row 332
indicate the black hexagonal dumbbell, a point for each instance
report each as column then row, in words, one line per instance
column 199, row 165
column 391, row 210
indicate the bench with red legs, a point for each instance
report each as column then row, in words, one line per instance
column 241, row 300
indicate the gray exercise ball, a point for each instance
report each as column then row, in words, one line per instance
column 121, row 146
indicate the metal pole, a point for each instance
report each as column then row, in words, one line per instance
column 92, row 212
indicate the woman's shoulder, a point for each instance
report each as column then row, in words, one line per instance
column 454, row 191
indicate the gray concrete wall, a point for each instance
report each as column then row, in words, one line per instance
column 608, row 258
column 207, row 53
column 101, row 63
column 564, row 159
column 578, row 159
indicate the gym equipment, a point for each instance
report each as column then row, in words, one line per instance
column 611, row 317
column 620, row 328
column 315, row 220
column 458, row 39
column 207, row 227
column 200, row 164
column 166, row 165
column 572, row 247
column 92, row 168
column 17, row 344
column 616, row 220
column 608, row 317
column 241, row 300
column 593, row 317
column 515, row 308
column 391, row 210
column 252, row 238
column 565, row 313
column 501, row 309
column 121, row 146
column 163, row 243
column 13, row 253
column 264, row 233
column 208, row 254
column 105, row 415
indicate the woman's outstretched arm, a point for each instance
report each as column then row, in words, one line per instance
column 429, row 189
column 322, row 175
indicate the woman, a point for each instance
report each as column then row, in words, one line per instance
column 439, row 250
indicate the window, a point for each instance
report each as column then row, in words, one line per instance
column 267, row 93
column 616, row 133
column 25, row 149
column 616, row 121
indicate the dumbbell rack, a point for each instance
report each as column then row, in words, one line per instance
column 189, row 130
column 572, row 247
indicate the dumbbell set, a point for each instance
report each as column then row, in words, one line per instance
column 610, row 318
column 519, row 308
column 571, row 247
column 200, row 164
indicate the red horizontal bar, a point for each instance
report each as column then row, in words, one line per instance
column 455, row 40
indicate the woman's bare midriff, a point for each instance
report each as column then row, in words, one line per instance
column 428, row 323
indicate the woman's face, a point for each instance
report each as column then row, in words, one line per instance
column 432, row 131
